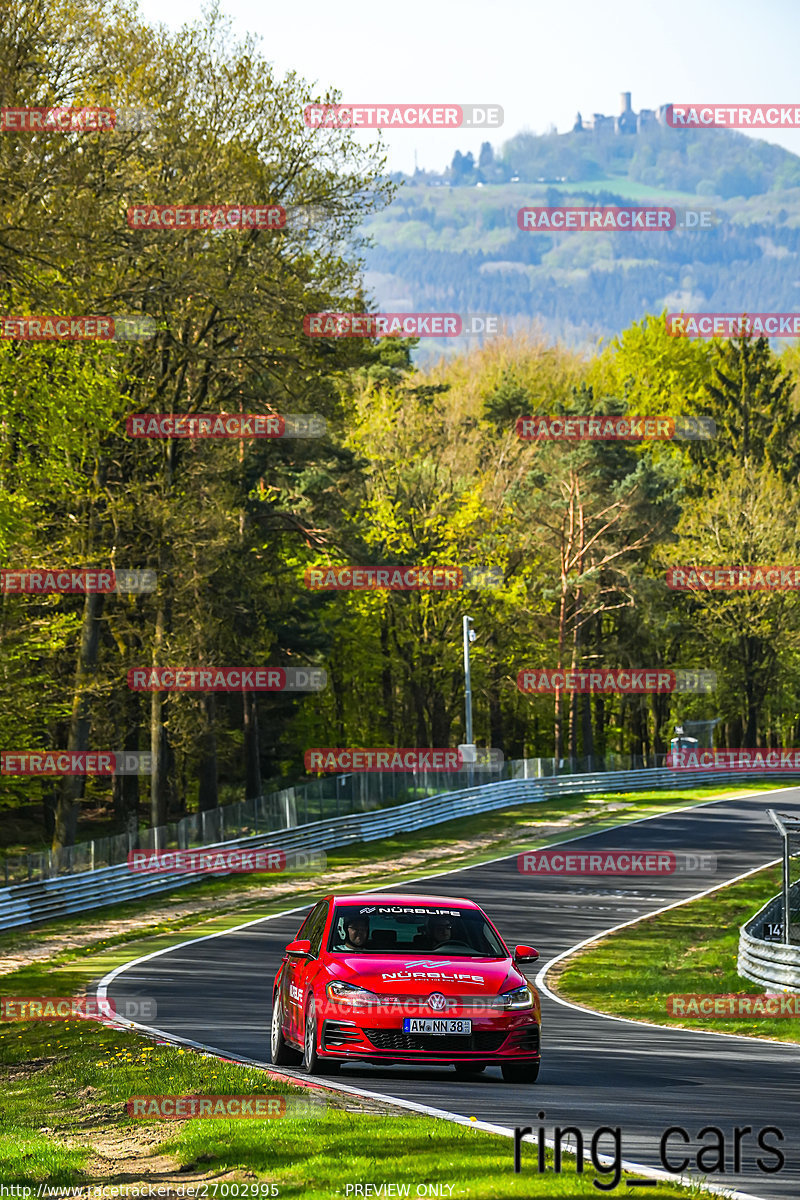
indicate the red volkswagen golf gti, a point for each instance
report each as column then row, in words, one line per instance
column 404, row 979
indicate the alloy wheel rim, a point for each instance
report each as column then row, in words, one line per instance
column 275, row 1027
column 310, row 1035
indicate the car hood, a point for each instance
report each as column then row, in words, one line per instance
column 398, row 975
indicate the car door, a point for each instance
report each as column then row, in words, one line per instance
column 296, row 970
column 308, row 968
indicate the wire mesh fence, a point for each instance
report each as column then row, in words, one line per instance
column 317, row 800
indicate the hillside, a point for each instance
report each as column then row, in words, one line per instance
column 455, row 246
column 708, row 162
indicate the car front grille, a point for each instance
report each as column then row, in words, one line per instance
column 395, row 1039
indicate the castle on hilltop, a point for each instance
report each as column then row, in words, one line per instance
column 627, row 122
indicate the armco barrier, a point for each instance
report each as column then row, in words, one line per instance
column 771, row 963
column 316, row 800
column 48, row 899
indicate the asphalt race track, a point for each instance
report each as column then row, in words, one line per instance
column 595, row 1072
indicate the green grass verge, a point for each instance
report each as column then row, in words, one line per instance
column 451, row 1160
column 691, row 948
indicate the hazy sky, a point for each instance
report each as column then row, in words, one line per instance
column 540, row 61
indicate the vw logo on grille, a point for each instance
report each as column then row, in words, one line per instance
column 436, row 1001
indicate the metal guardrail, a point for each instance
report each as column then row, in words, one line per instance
column 768, row 961
column 299, row 804
column 49, row 899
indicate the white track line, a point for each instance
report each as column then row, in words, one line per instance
column 424, row 1109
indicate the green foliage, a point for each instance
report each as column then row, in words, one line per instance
column 416, row 468
column 753, row 404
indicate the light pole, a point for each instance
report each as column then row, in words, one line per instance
column 469, row 636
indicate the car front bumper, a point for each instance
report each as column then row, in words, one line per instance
column 505, row 1038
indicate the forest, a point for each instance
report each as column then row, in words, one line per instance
column 409, row 467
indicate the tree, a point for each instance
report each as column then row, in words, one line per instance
column 752, row 401
column 462, row 168
column 748, row 516
column 600, row 506
column 486, row 157
column 228, row 308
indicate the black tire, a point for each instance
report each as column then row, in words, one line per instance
column 282, row 1054
column 312, row 1063
column 467, row 1068
column 523, row 1072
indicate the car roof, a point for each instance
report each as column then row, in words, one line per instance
column 384, row 898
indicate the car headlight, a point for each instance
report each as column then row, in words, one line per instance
column 521, row 997
column 348, row 993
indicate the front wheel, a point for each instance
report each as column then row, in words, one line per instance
column 523, row 1072
column 281, row 1052
column 312, row 1063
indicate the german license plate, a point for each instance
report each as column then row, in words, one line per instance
column 433, row 1025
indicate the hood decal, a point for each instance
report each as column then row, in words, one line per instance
column 445, row 976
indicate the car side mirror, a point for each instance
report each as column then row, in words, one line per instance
column 525, row 954
column 300, row 946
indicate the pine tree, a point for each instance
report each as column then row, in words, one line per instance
column 750, row 399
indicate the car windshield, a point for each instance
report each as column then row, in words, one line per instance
column 435, row 931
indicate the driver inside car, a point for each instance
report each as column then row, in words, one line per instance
column 439, row 931
column 357, row 933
